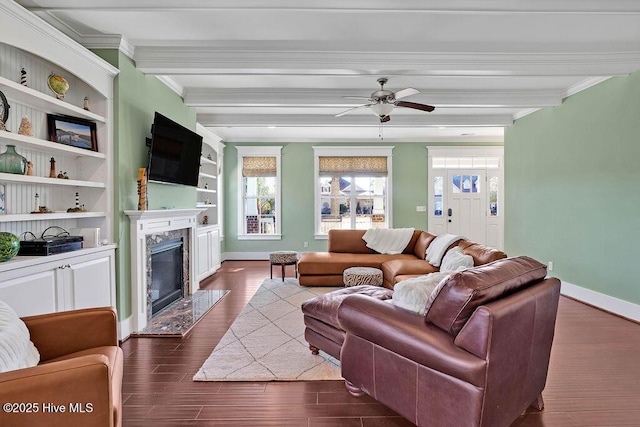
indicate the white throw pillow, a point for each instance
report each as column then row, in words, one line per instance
column 413, row 293
column 16, row 349
column 456, row 260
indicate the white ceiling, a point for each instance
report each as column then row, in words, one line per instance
column 276, row 70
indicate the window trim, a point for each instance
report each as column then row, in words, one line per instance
column 258, row 151
column 349, row 151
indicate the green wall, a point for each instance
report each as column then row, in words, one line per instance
column 573, row 188
column 409, row 167
column 136, row 98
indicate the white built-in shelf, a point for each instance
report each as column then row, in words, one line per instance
column 206, row 175
column 50, row 216
column 205, row 205
column 205, row 190
column 45, row 102
column 31, row 143
column 208, row 161
column 27, row 179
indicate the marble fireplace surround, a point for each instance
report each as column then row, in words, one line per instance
column 153, row 226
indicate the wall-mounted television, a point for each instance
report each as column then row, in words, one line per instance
column 174, row 155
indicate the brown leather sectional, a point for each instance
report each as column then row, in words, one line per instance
column 347, row 249
column 478, row 357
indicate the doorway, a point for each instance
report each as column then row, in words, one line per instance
column 465, row 193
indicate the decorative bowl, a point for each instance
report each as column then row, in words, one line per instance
column 9, row 246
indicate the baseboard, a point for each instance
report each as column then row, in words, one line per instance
column 124, row 328
column 243, row 256
column 608, row 303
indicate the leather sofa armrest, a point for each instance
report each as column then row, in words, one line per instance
column 81, row 385
column 57, row 334
column 406, row 333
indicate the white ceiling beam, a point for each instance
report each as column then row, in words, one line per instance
column 187, row 60
column 212, row 97
column 434, row 6
column 398, row 120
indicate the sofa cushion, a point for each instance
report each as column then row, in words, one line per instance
column 396, row 267
column 325, row 307
column 350, row 241
column 465, row 291
column 422, row 243
column 481, row 254
column 329, row 263
column 16, row 349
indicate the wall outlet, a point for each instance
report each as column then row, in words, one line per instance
column 305, row 244
column 550, row 266
column 421, row 208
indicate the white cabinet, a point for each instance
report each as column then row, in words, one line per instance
column 59, row 282
column 208, row 251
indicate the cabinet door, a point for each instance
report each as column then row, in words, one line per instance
column 203, row 257
column 88, row 284
column 214, row 244
column 31, row 294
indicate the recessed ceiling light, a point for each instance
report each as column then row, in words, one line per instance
column 271, row 127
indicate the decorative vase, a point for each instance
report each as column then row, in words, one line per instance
column 12, row 162
column 58, row 85
column 9, row 246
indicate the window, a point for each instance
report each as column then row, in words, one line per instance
column 259, row 193
column 352, row 188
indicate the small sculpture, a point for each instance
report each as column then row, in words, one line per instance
column 29, row 168
column 205, row 220
column 65, row 176
column 206, row 185
column 2, row 125
column 23, row 77
column 25, row 127
column 209, row 157
column 142, row 189
column 86, row 103
column 52, row 171
column 60, row 175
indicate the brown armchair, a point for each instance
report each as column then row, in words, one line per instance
column 80, row 370
column 479, row 357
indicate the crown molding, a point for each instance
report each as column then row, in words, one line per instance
column 172, row 84
column 585, row 84
column 114, row 41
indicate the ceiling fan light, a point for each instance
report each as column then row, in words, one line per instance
column 382, row 109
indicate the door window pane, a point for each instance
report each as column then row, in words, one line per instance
column 456, row 180
column 475, row 183
column 466, row 184
column 493, row 196
column 438, row 191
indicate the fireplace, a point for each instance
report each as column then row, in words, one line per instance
column 150, row 228
column 167, row 281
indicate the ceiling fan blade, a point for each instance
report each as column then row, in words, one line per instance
column 405, row 92
column 384, row 119
column 351, row 109
column 415, row 106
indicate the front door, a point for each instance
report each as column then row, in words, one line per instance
column 465, row 212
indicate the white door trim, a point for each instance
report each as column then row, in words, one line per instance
column 434, row 223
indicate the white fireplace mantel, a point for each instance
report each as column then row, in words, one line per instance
column 144, row 223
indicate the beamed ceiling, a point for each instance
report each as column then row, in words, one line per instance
column 276, row 71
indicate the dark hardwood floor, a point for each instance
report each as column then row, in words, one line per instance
column 594, row 377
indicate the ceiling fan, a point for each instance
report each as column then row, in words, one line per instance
column 381, row 102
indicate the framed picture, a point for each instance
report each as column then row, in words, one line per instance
column 72, row 131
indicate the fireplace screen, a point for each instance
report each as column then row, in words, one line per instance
column 167, row 281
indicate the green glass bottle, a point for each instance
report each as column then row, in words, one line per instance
column 12, row 162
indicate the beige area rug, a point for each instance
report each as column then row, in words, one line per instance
column 266, row 342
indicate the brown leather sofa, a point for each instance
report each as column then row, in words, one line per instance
column 80, row 370
column 347, row 249
column 479, row 357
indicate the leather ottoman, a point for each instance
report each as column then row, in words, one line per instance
column 323, row 331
